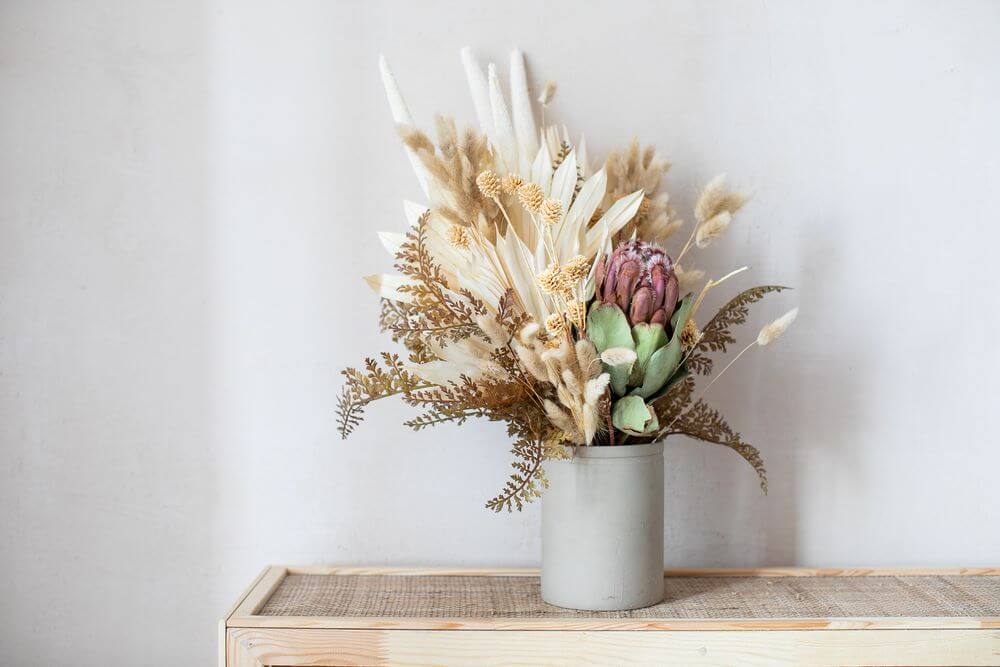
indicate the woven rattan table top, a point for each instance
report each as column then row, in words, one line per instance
column 687, row 597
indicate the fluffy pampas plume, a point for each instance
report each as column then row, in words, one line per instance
column 771, row 332
column 548, row 92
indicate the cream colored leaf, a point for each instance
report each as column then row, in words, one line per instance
column 387, row 285
column 401, row 114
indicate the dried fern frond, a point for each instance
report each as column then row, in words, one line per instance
column 372, row 383
column 706, row 424
column 716, row 335
column 528, row 479
column 429, row 291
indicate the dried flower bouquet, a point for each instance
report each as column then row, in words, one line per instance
column 538, row 293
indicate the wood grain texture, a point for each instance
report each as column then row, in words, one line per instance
column 247, row 637
column 266, row 584
column 670, row 572
column 248, row 647
column 597, row 625
column 232, row 612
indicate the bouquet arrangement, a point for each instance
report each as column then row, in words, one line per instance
column 535, row 291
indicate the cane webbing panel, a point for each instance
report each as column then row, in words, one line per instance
column 686, row 597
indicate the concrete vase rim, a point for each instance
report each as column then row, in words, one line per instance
column 617, row 451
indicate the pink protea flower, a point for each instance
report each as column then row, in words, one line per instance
column 639, row 278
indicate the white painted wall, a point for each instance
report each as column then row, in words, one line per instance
column 189, row 194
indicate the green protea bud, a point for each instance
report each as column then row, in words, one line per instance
column 631, row 415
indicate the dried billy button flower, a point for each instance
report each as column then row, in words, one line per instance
column 531, row 196
column 551, row 211
column 555, row 324
column 510, row 183
column 458, row 236
column 576, row 270
column 576, row 311
column 489, row 183
column 551, row 279
column 690, row 335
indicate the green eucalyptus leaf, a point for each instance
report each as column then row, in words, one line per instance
column 661, row 366
column 680, row 316
column 607, row 327
column 631, row 415
column 618, row 362
column 648, row 339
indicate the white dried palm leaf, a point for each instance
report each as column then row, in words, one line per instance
column 413, row 211
column 524, row 117
column 581, row 157
column 401, row 114
column 541, row 168
column 520, row 268
column 480, row 92
column 567, row 238
column 504, row 139
column 470, row 357
column 564, row 181
column 613, row 220
column 391, row 241
column 387, row 285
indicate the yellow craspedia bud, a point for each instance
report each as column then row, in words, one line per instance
column 576, row 269
column 458, row 236
column 551, row 279
column 510, row 183
column 489, row 183
column 551, row 211
column 555, row 324
column 531, row 196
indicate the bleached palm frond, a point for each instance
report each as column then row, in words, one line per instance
column 524, row 117
column 480, row 92
column 413, row 211
column 616, row 217
column 387, row 285
column 401, row 114
column 581, row 157
column 391, row 241
column 541, row 168
column 504, row 139
column 564, row 181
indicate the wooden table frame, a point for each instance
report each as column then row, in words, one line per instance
column 246, row 639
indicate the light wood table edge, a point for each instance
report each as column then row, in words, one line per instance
column 259, row 646
column 242, row 615
column 670, row 572
column 616, row 624
column 224, row 621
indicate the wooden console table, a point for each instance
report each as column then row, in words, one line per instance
column 325, row 616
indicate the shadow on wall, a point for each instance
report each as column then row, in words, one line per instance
column 716, row 513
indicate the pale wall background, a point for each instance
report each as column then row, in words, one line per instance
column 189, row 193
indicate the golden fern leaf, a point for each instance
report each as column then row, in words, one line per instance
column 716, row 335
column 371, row 384
column 706, row 424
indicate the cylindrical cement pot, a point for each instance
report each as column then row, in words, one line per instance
column 602, row 528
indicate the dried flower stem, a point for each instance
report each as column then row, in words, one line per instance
column 704, row 391
column 694, row 232
column 506, row 217
column 709, row 285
